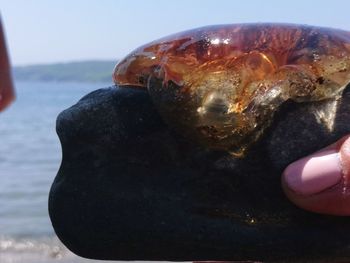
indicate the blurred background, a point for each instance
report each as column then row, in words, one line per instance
column 61, row 50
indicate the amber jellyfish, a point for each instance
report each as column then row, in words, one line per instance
column 221, row 85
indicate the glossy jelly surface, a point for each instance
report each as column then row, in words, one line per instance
column 221, row 85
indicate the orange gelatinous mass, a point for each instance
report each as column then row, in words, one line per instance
column 221, row 85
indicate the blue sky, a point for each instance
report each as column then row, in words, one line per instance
column 41, row 31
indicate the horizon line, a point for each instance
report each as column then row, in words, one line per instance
column 62, row 62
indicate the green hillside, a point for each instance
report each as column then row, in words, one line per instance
column 85, row 71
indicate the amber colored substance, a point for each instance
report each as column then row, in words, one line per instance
column 221, row 85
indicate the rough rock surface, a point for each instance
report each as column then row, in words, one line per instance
column 129, row 188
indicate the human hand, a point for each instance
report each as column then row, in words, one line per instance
column 321, row 182
column 6, row 87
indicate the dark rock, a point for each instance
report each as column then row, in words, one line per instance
column 129, row 188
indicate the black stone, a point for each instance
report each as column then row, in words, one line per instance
column 129, row 188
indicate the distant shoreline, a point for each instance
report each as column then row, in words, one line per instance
column 82, row 71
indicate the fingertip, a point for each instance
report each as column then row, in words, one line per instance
column 320, row 182
column 7, row 94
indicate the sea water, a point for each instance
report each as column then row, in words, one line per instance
column 30, row 155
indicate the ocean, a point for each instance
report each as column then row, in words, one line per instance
column 30, row 155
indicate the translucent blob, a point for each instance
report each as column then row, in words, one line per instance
column 221, row 85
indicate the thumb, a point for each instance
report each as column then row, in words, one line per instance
column 6, row 87
column 321, row 182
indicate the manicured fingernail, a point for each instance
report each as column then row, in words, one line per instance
column 314, row 173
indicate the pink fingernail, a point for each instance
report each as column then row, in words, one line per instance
column 314, row 173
